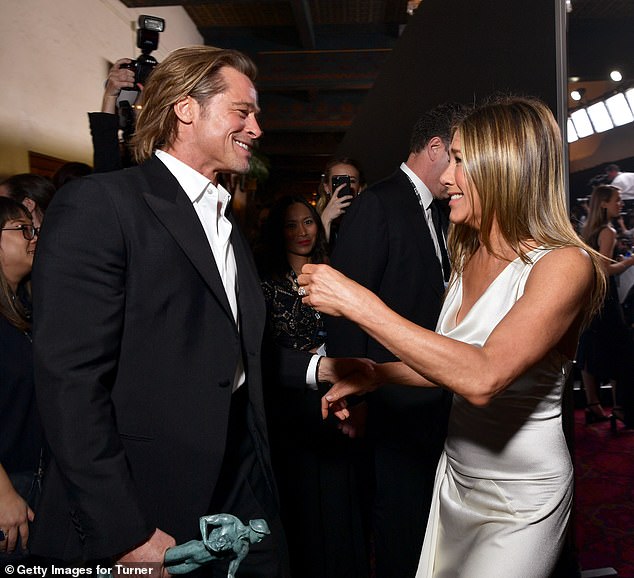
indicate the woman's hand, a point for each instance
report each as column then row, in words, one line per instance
column 335, row 208
column 15, row 515
column 357, row 383
column 330, row 292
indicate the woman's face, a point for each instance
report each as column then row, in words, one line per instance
column 614, row 206
column 16, row 252
column 300, row 230
column 464, row 200
column 344, row 169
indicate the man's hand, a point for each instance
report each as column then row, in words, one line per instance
column 151, row 552
column 118, row 79
column 354, row 426
column 333, row 369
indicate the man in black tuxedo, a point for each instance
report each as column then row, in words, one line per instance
column 388, row 243
column 149, row 330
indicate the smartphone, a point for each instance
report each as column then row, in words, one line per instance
column 338, row 180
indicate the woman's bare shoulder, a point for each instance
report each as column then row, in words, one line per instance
column 565, row 263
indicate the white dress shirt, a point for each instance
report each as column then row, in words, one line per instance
column 425, row 198
column 210, row 203
column 625, row 182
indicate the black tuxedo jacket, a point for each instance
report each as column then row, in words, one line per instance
column 136, row 349
column 384, row 243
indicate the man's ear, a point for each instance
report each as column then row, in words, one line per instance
column 186, row 109
column 435, row 148
column 29, row 204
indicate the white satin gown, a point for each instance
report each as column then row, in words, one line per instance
column 503, row 488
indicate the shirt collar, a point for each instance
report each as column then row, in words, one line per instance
column 421, row 188
column 193, row 183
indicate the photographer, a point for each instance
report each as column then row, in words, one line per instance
column 117, row 109
column 104, row 126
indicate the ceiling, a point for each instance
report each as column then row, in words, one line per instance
column 318, row 58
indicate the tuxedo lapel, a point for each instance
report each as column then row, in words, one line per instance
column 250, row 299
column 172, row 207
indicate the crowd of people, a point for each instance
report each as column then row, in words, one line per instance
column 376, row 375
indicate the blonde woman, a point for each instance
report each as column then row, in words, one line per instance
column 523, row 285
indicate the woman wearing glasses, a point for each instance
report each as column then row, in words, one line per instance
column 33, row 191
column 21, row 436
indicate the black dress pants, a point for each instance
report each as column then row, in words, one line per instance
column 244, row 490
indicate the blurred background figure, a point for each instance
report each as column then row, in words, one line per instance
column 21, row 435
column 69, row 171
column 332, row 201
column 605, row 347
column 624, row 181
column 33, row 191
column 312, row 459
column 579, row 214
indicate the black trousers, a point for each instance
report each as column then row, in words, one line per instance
column 244, row 490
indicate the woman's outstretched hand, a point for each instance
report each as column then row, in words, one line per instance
column 328, row 291
column 355, row 383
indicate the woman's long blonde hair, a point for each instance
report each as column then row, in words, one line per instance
column 512, row 156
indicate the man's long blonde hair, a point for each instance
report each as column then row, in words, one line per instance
column 191, row 71
column 512, row 156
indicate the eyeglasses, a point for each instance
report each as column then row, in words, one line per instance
column 28, row 231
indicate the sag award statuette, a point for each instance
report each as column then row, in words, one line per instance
column 229, row 538
column 224, row 537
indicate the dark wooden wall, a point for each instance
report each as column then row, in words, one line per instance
column 457, row 50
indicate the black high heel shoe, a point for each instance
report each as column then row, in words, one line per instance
column 595, row 416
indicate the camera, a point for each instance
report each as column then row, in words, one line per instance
column 142, row 67
column 338, row 180
column 147, row 38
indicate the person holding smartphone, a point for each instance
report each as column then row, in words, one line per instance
column 341, row 182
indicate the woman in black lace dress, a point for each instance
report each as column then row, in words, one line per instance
column 312, row 459
column 293, row 236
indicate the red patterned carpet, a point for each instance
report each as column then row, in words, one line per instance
column 604, row 510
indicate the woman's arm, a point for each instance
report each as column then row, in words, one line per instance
column 607, row 242
column 365, row 381
column 551, row 307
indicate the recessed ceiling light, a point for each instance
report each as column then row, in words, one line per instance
column 577, row 94
column 616, row 76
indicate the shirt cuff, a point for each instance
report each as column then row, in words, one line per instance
column 311, row 372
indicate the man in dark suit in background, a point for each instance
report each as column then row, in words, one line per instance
column 388, row 243
column 149, row 330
